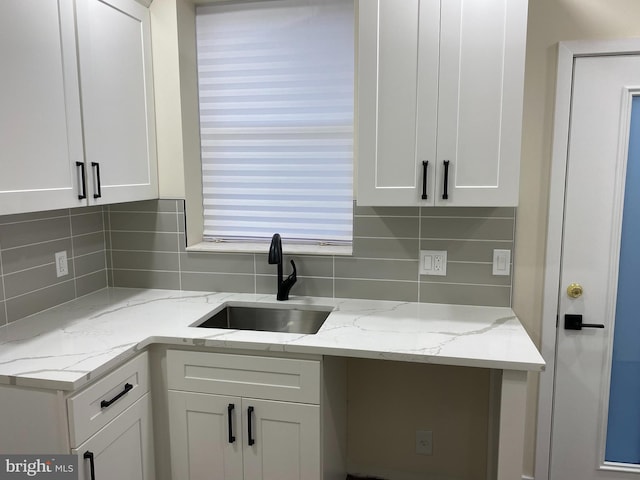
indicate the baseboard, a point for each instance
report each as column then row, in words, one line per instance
column 361, row 470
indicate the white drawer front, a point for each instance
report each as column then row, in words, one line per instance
column 244, row 375
column 88, row 413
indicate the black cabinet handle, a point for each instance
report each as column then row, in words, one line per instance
column 84, row 180
column 108, row 403
column 445, row 187
column 96, row 165
column 574, row 322
column 425, row 166
column 92, row 466
column 250, row 440
column 230, row 409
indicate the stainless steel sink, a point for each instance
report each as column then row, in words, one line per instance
column 266, row 319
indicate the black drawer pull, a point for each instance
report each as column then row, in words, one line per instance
column 445, row 187
column 84, row 181
column 96, row 165
column 250, row 440
column 230, row 409
column 425, row 166
column 108, row 403
column 92, row 467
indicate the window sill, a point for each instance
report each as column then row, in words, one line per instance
column 241, row 247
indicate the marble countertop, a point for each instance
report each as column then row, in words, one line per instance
column 67, row 346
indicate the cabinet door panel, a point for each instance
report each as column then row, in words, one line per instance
column 200, row 447
column 122, row 449
column 40, row 131
column 480, row 100
column 397, row 85
column 287, row 441
column 117, row 98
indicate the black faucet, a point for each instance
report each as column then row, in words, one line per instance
column 275, row 257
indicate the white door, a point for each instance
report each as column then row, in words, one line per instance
column 596, row 416
column 114, row 45
column 282, row 440
column 122, row 449
column 206, row 436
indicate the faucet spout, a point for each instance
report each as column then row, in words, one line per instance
column 275, row 258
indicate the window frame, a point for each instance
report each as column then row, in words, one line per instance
column 179, row 130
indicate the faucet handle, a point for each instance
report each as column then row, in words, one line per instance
column 293, row 277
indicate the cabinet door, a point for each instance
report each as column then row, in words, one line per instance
column 482, row 50
column 397, row 90
column 123, row 448
column 286, row 440
column 40, row 130
column 200, row 446
column 114, row 44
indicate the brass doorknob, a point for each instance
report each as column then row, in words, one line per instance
column 574, row 290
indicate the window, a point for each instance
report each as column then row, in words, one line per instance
column 276, row 88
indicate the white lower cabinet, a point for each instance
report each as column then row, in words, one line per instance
column 110, row 425
column 248, row 417
column 122, row 449
column 220, row 437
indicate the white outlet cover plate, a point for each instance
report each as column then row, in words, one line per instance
column 424, row 442
column 62, row 266
column 433, row 262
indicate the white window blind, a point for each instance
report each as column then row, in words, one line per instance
column 276, row 86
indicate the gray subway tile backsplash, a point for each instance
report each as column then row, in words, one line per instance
column 146, row 279
column 143, row 221
column 465, row 294
column 385, row 227
column 158, row 261
column 217, row 262
column 377, row 290
column 19, row 234
column 38, row 300
column 144, row 241
column 82, row 224
column 90, row 263
column 28, row 244
column 366, row 268
column 26, row 281
column 89, row 243
column 218, row 282
column 384, row 265
column 21, row 258
column 91, row 283
column 467, row 228
column 141, row 244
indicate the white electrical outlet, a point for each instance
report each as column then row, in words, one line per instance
column 424, row 442
column 433, row 262
column 62, row 267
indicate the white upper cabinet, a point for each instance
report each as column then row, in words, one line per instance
column 40, row 129
column 440, row 81
column 56, row 89
column 116, row 80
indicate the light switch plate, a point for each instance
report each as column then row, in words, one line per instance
column 433, row 262
column 501, row 262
